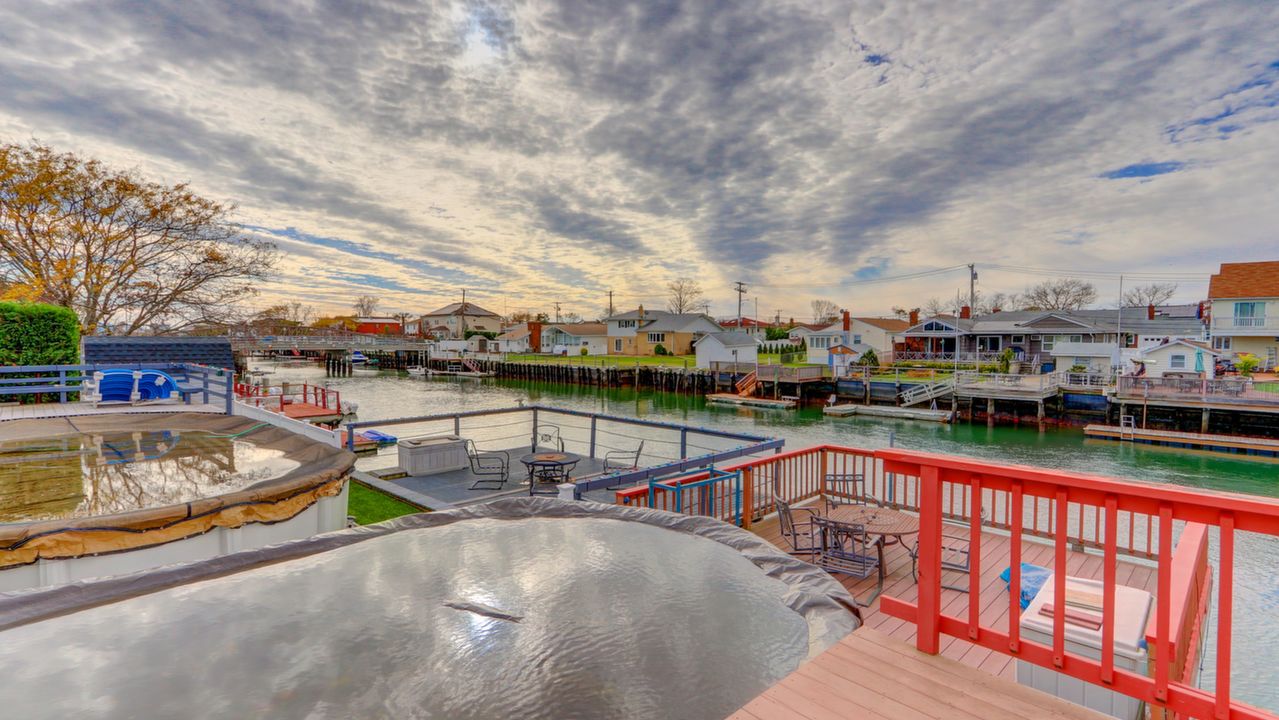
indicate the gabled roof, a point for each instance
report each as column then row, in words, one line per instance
column 729, row 339
column 949, row 321
column 519, row 332
column 855, row 349
column 687, row 322
column 1192, row 344
column 469, row 308
column 1245, row 280
column 807, row 327
column 889, row 324
column 586, row 329
column 746, row 323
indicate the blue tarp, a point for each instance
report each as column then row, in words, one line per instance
column 1033, row 577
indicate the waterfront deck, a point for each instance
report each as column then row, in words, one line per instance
column 994, row 595
column 1200, row 441
column 74, row 409
column 870, row 675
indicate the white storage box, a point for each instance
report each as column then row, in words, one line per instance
column 432, row 455
column 1132, row 611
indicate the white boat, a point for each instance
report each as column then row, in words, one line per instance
column 416, row 370
column 358, row 358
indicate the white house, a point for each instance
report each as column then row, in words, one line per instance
column 1094, row 357
column 1179, row 356
column 725, row 347
column 460, row 317
column 640, row 332
column 571, row 338
column 1244, row 302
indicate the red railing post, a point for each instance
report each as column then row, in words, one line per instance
column 928, row 634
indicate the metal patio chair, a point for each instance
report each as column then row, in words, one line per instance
column 846, row 548
column 622, row 460
column 549, row 435
column 491, row 467
column 955, row 555
column 796, row 525
column 849, row 489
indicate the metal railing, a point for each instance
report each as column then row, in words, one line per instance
column 1041, row 383
column 1088, row 380
column 928, row 356
column 1226, row 390
column 34, row 384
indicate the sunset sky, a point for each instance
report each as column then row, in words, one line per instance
column 534, row 152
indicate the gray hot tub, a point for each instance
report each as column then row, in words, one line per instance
column 528, row 607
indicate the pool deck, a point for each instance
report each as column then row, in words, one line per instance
column 962, row 681
column 73, row 409
column 452, row 488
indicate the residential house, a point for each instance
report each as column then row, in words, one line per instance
column 572, row 338
column 640, row 332
column 521, row 338
column 1179, row 357
column 1034, row 335
column 800, row 332
column 878, row 334
column 457, row 318
column 749, row 326
column 734, row 347
column 1244, row 306
column 378, row 326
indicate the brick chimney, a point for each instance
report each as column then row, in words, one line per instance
column 965, row 313
column 641, row 313
column 914, row 317
column 848, row 322
column 1150, row 312
column 995, row 310
column 535, row 337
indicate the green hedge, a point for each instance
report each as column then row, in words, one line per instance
column 37, row 334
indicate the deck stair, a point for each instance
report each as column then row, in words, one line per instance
column 470, row 365
column 746, row 386
column 1035, row 364
column 923, row 392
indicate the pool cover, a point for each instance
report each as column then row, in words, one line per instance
column 316, row 470
column 525, row 607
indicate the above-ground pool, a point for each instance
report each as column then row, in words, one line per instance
column 97, row 487
column 526, row 607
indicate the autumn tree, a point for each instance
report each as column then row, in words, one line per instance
column 824, row 311
column 1063, row 294
column 125, row 253
column 1152, row 294
column 683, row 295
column 365, row 305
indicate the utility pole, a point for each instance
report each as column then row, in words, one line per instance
column 557, row 312
column 461, row 310
column 757, row 308
column 610, row 303
column 972, row 288
column 1119, row 325
column 739, row 287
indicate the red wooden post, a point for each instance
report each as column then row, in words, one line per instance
column 1225, row 598
column 928, row 634
column 1060, row 529
column 1110, row 567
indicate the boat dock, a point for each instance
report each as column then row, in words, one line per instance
column 749, row 401
column 888, row 411
column 1198, row 441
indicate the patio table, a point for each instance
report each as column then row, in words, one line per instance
column 891, row 526
column 548, row 467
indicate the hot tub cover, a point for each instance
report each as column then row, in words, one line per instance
column 523, row 607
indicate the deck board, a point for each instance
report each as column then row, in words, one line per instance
column 73, row 409
column 992, row 593
column 870, row 675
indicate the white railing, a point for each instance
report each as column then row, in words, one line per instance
column 1089, row 380
column 1250, row 323
column 1025, row 383
column 927, row 356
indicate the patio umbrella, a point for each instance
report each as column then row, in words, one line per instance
column 1199, row 361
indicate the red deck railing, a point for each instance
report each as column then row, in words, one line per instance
column 1171, row 641
column 275, row 397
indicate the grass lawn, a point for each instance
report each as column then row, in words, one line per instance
column 369, row 506
column 1270, row 387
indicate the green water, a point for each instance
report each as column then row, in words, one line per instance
column 1256, row 589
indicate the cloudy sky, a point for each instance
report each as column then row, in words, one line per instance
column 535, row 152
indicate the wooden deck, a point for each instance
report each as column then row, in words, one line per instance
column 310, row 412
column 71, row 409
column 994, row 595
column 871, row 675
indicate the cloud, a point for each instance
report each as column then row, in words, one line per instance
column 543, row 150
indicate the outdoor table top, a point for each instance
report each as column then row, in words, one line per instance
column 876, row 520
column 551, row 458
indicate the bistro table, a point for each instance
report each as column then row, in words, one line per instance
column 548, row 467
column 889, row 525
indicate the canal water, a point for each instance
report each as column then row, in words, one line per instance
column 1255, row 678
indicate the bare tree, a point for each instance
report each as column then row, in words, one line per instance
column 996, row 302
column 572, row 317
column 824, row 311
column 1063, row 294
column 1152, row 294
column 365, row 305
column 300, row 314
column 683, row 295
column 934, row 307
column 125, row 253
column 403, row 317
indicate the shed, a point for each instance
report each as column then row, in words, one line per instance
column 840, row 357
column 1179, row 356
column 110, row 350
column 726, row 347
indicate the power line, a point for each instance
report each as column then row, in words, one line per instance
column 869, row 281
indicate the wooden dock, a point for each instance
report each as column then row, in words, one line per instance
column 307, row 412
column 888, row 411
column 747, row 401
column 1197, row 441
column 14, row 411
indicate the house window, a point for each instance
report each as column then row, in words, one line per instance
column 1036, row 337
column 989, row 343
column 657, row 337
column 1221, row 343
column 857, row 339
column 1049, row 342
column 1076, row 338
column 1018, row 339
column 1177, row 362
column 1250, row 314
column 617, row 345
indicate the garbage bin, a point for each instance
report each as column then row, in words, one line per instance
column 1132, row 610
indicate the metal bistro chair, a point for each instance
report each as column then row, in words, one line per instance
column 796, row 525
column 549, row 435
column 550, row 475
column 622, row 460
column 492, row 467
column 955, row 555
column 847, row 489
column 847, row 548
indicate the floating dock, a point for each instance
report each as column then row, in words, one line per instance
column 887, row 411
column 461, row 373
column 746, row 401
column 1199, row 441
